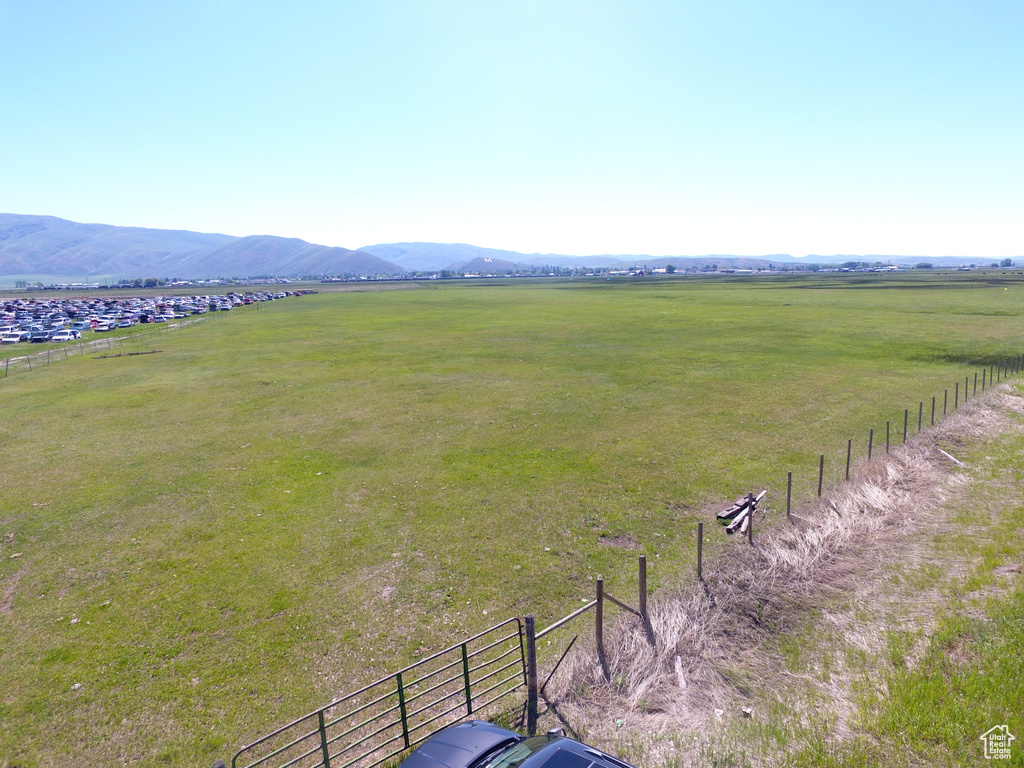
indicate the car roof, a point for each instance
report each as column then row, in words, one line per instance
column 458, row 746
column 464, row 744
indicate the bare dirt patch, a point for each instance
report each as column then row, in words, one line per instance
column 10, row 590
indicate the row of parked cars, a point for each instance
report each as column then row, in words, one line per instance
column 59, row 320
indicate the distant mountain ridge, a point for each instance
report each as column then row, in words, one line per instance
column 46, row 245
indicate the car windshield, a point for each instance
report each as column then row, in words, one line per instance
column 516, row 754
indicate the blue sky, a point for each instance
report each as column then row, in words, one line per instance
column 662, row 128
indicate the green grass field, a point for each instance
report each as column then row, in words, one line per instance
column 199, row 545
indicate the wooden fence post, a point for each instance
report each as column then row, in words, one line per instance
column 887, row 437
column 789, row 492
column 945, row 400
column 975, row 383
column 871, row 440
column 906, row 415
column 956, row 397
column 933, row 410
column 849, row 450
column 531, row 676
column 821, row 472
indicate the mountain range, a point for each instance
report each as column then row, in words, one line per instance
column 50, row 246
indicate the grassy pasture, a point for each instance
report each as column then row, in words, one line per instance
column 285, row 504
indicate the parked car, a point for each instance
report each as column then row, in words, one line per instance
column 477, row 744
column 66, row 335
column 104, row 325
column 40, row 337
column 14, row 337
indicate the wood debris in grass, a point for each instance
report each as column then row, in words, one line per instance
column 739, row 513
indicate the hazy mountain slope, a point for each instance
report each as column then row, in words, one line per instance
column 268, row 255
column 434, row 256
column 46, row 245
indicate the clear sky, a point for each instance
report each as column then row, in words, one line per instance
column 629, row 127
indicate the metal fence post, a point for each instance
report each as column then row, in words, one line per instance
column 700, row 551
column 750, row 518
column 821, row 474
column 871, row 440
column 465, row 680
column 324, row 749
column 599, row 627
column 642, row 589
column 849, row 450
column 401, row 709
column 531, row 676
column 906, row 414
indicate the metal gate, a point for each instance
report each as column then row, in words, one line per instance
column 381, row 721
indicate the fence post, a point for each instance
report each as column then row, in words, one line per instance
column 849, row 450
column 821, row 473
column 531, row 676
column 966, row 382
column 642, row 588
column 789, row 492
column 887, row 437
column 599, row 627
column 750, row 518
column 401, row 709
column 945, row 400
column 906, row 414
column 465, row 680
column 700, row 550
column 871, row 442
column 324, row 749
column 956, row 397
column 933, row 410
column 975, row 383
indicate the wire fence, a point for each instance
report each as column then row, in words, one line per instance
column 119, row 341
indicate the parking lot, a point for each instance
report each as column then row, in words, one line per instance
column 79, row 326
column 67, row 320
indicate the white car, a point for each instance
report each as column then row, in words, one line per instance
column 66, row 335
column 14, row 337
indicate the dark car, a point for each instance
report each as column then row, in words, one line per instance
column 40, row 337
column 477, row 744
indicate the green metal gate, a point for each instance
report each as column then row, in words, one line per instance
column 381, row 721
